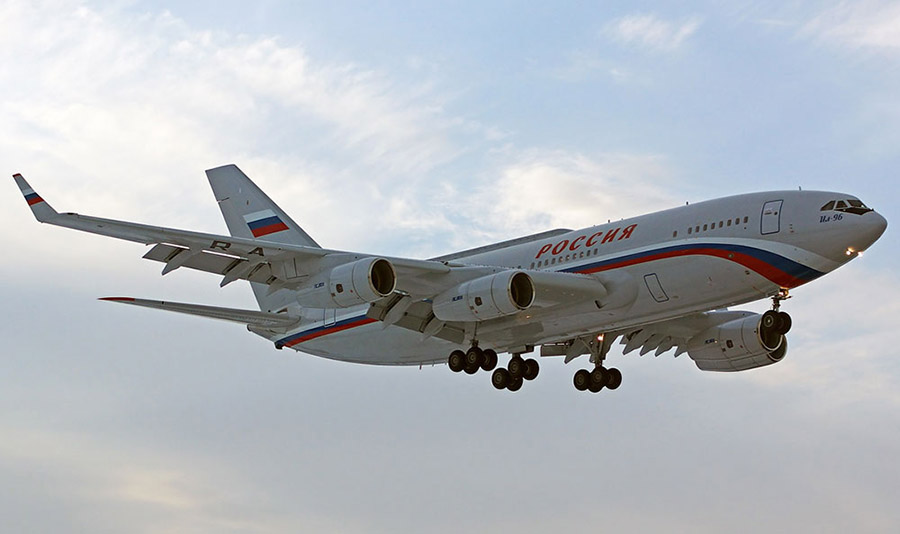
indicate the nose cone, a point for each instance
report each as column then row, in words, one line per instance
column 874, row 226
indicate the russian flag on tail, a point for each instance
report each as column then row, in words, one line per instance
column 264, row 222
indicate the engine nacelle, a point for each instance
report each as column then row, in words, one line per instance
column 350, row 284
column 753, row 341
column 486, row 298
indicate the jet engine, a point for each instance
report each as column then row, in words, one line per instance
column 350, row 284
column 365, row 280
column 752, row 341
column 486, row 298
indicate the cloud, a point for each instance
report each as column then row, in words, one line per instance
column 650, row 32
column 540, row 189
column 867, row 25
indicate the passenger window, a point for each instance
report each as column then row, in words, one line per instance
column 746, row 219
column 720, row 224
column 567, row 257
column 532, row 265
column 737, row 220
column 690, row 230
column 828, row 207
column 697, row 229
column 704, row 227
column 729, row 222
column 581, row 254
column 553, row 261
column 675, row 233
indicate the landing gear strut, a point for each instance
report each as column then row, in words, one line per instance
column 776, row 320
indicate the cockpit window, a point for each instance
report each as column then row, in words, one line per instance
column 851, row 205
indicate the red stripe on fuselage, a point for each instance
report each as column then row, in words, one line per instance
column 770, row 272
column 326, row 331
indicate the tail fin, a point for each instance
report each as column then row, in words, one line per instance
column 250, row 213
column 39, row 207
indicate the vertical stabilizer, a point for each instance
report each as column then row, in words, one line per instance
column 250, row 213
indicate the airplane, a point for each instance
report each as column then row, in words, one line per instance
column 659, row 282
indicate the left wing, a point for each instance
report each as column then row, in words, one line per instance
column 234, row 258
column 278, row 322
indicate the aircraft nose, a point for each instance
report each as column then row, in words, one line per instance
column 875, row 225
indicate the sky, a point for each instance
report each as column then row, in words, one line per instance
column 417, row 129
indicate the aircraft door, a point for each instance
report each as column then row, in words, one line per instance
column 770, row 222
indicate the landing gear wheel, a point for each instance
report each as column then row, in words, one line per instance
column 474, row 357
column 489, row 361
column 531, row 369
column 769, row 320
column 582, row 379
column 595, row 388
column 785, row 323
column 515, row 384
column 457, row 361
column 615, row 378
column 516, row 367
column 599, row 377
column 471, row 369
column 501, row 378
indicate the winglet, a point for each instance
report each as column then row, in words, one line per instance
column 42, row 211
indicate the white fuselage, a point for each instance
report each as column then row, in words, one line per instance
column 680, row 261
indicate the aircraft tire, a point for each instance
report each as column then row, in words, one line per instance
column 615, row 378
column 599, row 377
column 582, row 379
column 532, row 368
column 500, row 378
column 474, row 356
column 471, row 369
column 516, row 366
column 457, row 361
column 784, row 323
column 515, row 384
column 490, row 360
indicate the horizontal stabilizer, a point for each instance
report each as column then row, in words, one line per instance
column 274, row 321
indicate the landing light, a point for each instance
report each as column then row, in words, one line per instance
column 600, row 337
column 849, row 251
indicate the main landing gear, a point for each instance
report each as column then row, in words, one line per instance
column 600, row 377
column 512, row 377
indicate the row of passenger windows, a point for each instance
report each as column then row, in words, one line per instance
column 562, row 259
column 593, row 252
column 712, row 226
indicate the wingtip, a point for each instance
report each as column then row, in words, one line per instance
column 117, row 299
column 17, row 175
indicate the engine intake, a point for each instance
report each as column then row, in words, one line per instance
column 486, row 298
column 746, row 343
